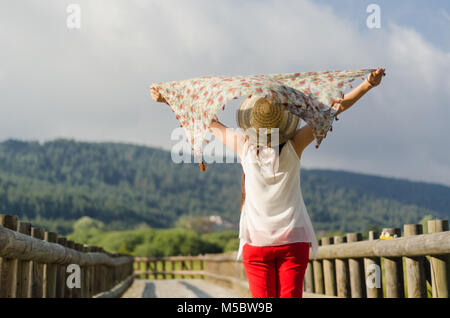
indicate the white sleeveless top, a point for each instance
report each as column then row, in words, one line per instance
column 273, row 212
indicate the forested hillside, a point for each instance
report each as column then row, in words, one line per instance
column 124, row 186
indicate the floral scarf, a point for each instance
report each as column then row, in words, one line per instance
column 313, row 96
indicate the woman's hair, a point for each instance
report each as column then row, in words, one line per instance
column 280, row 147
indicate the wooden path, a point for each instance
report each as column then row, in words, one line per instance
column 184, row 288
column 178, row 288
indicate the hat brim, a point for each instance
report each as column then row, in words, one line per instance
column 287, row 127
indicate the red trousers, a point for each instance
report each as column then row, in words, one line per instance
column 276, row 271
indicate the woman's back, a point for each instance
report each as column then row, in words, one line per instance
column 273, row 212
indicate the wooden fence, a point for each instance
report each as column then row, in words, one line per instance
column 390, row 268
column 221, row 269
column 38, row 264
column 34, row 263
column 345, row 266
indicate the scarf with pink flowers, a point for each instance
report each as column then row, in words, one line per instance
column 313, row 96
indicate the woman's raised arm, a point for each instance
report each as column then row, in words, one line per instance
column 304, row 136
column 231, row 138
column 374, row 79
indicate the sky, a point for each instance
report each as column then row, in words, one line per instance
column 92, row 83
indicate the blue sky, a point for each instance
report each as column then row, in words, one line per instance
column 430, row 18
column 92, row 83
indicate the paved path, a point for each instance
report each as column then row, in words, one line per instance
column 177, row 288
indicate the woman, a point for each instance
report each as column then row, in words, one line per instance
column 275, row 229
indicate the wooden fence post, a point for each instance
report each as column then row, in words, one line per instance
column 23, row 267
column 76, row 292
column 112, row 274
column 375, row 288
column 106, row 274
column 439, row 263
column 81, row 291
column 155, row 269
column 356, row 270
column 202, row 268
column 415, row 268
column 342, row 277
column 164, row 268
column 118, row 273
column 393, row 267
column 191, row 267
column 318, row 275
column 92, row 275
column 147, row 268
column 103, row 273
column 110, row 281
column 96, row 274
column 117, row 276
column 138, row 266
column 8, row 267
column 328, row 271
column 172, row 268
column 37, row 279
column 50, row 270
column 128, row 270
column 69, row 292
column 86, row 278
column 183, row 267
column 100, row 273
column 61, row 275
column 309, row 279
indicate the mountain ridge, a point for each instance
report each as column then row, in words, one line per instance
column 124, row 185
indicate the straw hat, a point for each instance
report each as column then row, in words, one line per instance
column 259, row 117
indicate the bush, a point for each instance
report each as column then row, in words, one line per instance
column 149, row 242
column 148, row 250
column 220, row 238
column 232, row 245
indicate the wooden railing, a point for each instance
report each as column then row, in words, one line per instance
column 221, row 269
column 345, row 266
column 390, row 268
column 36, row 264
column 169, row 267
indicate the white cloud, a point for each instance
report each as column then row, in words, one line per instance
column 92, row 83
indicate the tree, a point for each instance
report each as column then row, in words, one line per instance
column 424, row 222
column 232, row 245
column 87, row 223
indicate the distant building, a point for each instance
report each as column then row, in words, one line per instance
column 220, row 223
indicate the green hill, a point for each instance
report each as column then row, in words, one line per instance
column 123, row 185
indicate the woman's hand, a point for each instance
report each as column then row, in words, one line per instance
column 374, row 78
column 156, row 95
